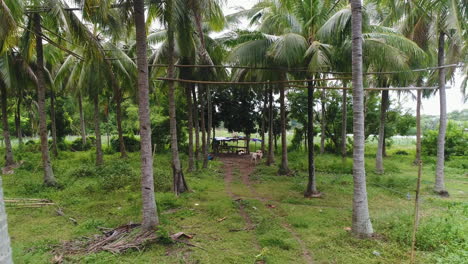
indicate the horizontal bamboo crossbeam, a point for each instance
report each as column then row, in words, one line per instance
column 370, row 88
column 286, row 82
column 250, row 83
column 303, row 69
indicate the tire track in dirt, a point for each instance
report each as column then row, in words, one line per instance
column 228, row 166
column 246, row 168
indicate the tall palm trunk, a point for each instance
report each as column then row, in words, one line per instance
column 271, row 155
column 284, row 168
column 82, row 120
column 380, row 146
column 344, row 118
column 203, row 127
column 9, row 160
column 49, row 178
column 53, row 124
column 311, row 189
column 361, row 224
column 418, row 126
column 118, row 113
column 150, row 217
column 196, row 123
column 97, row 131
column 19, row 132
column 264, row 113
column 439, row 186
column 210, row 119
column 179, row 184
column 322, row 123
column 188, row 95
column 5, row 249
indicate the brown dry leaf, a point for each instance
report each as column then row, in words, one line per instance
column 221, row 219
column 347, row 228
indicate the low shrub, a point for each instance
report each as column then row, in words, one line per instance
column 77, row 144
column 132, row 144
column 456, row 141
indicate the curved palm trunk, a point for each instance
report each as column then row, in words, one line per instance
column 53, row 124
column 311, row 189
column 188, row 97
column 284, row 168
column 322, row 123
column 361, row 224
column 179, row 184
column 197, row 125
column 82, row 120
column 150, row 217
column 210, row 119
column 380, row 146
column 439, row 186
column 49, row 178
column 5, row 249
column 97, row 131
column 271, row 155
column 344, row 117
column 9, row 160
column 118, row 113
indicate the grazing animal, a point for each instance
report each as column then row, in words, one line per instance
column 256, row 156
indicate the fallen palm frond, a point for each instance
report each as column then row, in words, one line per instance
column 116, row 241
column 27, row 202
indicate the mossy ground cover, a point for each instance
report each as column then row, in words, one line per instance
column 108, row 196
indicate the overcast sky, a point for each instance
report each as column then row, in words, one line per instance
column 430, row 106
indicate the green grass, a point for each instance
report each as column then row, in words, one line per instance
column 109, row 197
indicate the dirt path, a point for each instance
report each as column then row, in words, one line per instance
column 246, row 168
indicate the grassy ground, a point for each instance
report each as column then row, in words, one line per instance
column 109, row 197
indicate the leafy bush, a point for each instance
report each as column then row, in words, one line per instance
column 401, row 152
column 115, row 175
column 83, row 171
column 77, row 144
column 132, row 144
column 456, row 142
column 160, row 134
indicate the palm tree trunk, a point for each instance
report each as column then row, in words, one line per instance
column 264, row 114
column 210, row 119
column 380, row 146
column 418, row 126
column 5, row 249
column 284, row 168
column 49, row 178
column 203, row 127
column 271, row 155
column 197, row 125
column 188, row 95
column 118, row 113
column 97, row 131
column 9, row 160
column 179, row 184
column 361, row 224
column 150, row 217
column 344, row 118
column 439, row 186
column 82, row 120
column 311, row 189
column 19, row 133
column 53, row 124
column 322, row 123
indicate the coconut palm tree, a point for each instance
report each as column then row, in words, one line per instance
column 361, row 224
column 150, row 217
